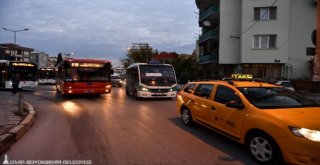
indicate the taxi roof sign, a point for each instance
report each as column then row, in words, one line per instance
column 241, row 76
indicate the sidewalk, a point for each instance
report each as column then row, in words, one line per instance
column 13, row 126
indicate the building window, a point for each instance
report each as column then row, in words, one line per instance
column 26, row 53
column 264, row 13
column 264, row 41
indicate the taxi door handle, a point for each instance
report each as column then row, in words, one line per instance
column 213, row 108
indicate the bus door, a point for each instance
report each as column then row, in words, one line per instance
column 3, row 74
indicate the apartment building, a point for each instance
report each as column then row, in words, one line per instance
column 40, row 58
column 15, row 52
column 267, row 38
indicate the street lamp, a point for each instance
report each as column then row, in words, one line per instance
column 15, row 36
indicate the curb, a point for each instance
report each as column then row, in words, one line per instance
column 18, row 131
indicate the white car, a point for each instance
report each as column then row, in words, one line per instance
column 116, row 81
column 287, row 84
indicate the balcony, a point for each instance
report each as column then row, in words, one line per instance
column 211, row 11
column 209, row 58
column 204, row 4
column 211, row 34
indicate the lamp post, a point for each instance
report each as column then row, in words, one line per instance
column 15, row 36
column 316, row 66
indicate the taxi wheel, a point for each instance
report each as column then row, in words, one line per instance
column 186, row 117
column 264, row 149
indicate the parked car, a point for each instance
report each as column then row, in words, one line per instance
column 116, row 81
column 273, row 123
column 285, row 83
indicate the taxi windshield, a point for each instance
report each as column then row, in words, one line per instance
column 275, row 97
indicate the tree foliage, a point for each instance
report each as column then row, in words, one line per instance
column 186, row 67
column 137, row 56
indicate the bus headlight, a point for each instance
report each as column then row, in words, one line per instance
column 145, row 89
column 312, row 135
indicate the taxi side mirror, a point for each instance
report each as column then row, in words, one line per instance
column 234, row 104
column 189, row 90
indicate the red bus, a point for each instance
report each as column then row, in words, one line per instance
column 84, row 76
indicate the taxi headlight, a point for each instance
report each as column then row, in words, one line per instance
column 312, row 135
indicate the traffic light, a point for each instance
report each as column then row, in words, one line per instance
column 311, row 51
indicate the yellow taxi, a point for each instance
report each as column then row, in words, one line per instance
column 275, row 124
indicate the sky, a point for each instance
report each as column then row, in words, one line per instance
column 101, row 29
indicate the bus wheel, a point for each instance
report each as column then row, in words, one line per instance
column 127, row 91
column 136, row 94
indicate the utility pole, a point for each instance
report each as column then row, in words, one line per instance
column 316, row 67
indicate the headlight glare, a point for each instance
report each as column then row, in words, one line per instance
column 312, row 135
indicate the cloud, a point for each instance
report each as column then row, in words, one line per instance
column 98, row 27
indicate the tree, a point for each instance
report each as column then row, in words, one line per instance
column 186, row 67
column 59, row 59
column 138, row 53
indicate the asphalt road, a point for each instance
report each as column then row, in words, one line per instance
column 116, row 129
